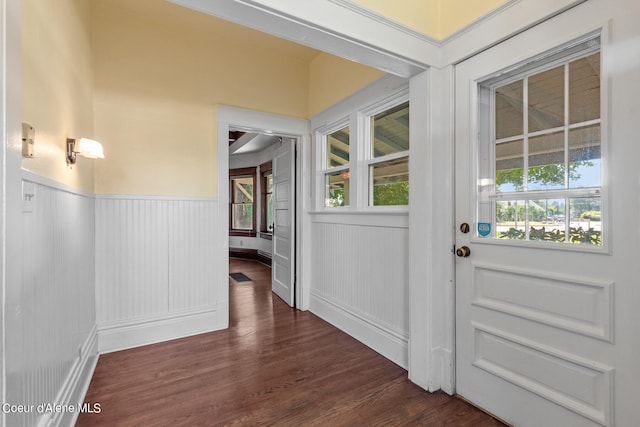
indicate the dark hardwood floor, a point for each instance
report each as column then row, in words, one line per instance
column 273, row 366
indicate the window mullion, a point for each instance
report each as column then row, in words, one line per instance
column 525, row 149
column 567, row 208
column 361, row 127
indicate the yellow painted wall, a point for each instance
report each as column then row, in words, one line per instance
column 159, row 71
column 436, row 18
column 421, row 15
column 144, row 78
column 57, row 88
column 333, row 79
column 455, row 14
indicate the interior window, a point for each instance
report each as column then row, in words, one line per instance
column 242, row 204
column 389, row 164
column 337, row 161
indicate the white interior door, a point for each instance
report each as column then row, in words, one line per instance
column 541, row 335
column 283, row 268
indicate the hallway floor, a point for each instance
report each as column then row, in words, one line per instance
column 273, row 366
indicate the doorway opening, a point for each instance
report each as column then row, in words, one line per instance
column 262, row 205
column 289, row 140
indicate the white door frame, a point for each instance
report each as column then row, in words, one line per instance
column 11, row 210
column 266, row 123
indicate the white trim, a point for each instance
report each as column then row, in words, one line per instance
column 56, row 185
column 494, row 28
column 431, row 237
column 261, row 122
column 74, row 389
column 384, row 20
column 329, row 27
column 151, row 197
column 391, row 219
column 11, row 193
column 121, row 335
column 388, row 343
column 374, row 93
column 347, row 30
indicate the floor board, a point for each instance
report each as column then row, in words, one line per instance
column 273, row 366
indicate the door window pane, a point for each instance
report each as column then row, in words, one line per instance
column 390, row 182
column 546, row 162
column 508, row 110
column 390, row 131
column 584, row 157
column 546, row 99
column 509, row 166
column 510, row 219
column 338, row 148
column 586, row 221
column 547, row 220
column 584, row 89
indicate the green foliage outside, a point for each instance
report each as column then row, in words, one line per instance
column 591, row 215
column 577, row 235
column 396, row 193
column 336, row 197
column 545, row 175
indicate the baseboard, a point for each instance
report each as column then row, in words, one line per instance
column 388, row 343
column 253, row 254
column 442, row 366
column 74, row 389
column 135, row 333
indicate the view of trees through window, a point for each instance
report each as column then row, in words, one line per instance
column 547, row 151
column 390, row 148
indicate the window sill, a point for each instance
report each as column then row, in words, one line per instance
column 370, row 218
column 242, row 233
column 266, row 235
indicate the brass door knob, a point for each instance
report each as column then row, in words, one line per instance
column 463, row 251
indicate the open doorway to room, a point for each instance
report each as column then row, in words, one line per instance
column 262, row 206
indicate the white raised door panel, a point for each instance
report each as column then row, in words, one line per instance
column 283, row 261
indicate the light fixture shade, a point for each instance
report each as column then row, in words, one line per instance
column 89, row 148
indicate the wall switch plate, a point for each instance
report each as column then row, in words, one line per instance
column 28, row 141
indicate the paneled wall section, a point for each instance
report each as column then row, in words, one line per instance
column 58, row 300
column 154, row 268
column 360, row 283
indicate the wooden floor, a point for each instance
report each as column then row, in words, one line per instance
column 273, row 366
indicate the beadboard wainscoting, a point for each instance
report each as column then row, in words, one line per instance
column 155, row 269
column 360, row 280
column 59, row 341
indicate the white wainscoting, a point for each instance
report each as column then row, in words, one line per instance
column 155, row 269
column 59, row 341
column 360, row 281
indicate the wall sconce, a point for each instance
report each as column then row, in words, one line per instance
column 85, row 147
